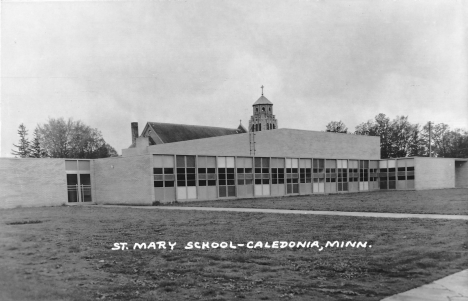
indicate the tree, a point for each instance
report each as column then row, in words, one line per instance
column 369, row 128
column 36, row 150
column 73, row 139
column 404, row 138
column 456, row 144
column 337, row 127
column 445, row 142
column 105, row 150
column 381, row 127
column 23, row 145
column 55, row 136
column 398, row 137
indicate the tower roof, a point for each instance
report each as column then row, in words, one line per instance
column 262, row 101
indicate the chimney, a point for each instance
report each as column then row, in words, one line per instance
column 134, row 132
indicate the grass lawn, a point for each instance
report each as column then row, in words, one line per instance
column 64, row 253
column 441, row 201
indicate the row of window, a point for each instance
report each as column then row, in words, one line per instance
column 281, row 171
column 263, row 109
column 209, row 179
column 258, row 127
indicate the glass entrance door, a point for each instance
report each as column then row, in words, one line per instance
column 72, row 188
column 79, row 188
column 78, row 181
column 85, row 187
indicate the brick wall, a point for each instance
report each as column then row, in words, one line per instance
column 461, row 174
column 434, row 173
column 281, row 142
column 123, row 180
column 32, row 182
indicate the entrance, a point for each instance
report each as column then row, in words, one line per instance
column 461, row 173
column 78, row 180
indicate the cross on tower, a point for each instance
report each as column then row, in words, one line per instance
column 262, row 89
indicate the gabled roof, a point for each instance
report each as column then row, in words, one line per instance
column 241, row 129
column 262, row 101
column 170, row 132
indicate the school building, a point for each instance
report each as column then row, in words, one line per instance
column 175, row 162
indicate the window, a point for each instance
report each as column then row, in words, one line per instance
column 226, row 177
column 401, row 171
column 71, row 165
column 410, row 173
column 263, row 109
column 262, row 171
column 277, row 171
column 383, row 174
column 391, row 174
column 244, row 171
column 292, row 175
column 364, row 171
column 318, row 175
column 186, row 177
column 353, row 171
column 163, row 171
column 330, row 171
column 305, row 171
column 319, row 167
column 206, row 171
column 373, row 172
column 342, row 168
column 185, row 171
column 387, row 174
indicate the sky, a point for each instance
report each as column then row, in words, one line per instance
column 202, row 62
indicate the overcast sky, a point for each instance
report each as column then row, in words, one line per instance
column 202, row 62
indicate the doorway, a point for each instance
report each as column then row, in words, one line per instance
column 78, row 181
column 461, row 173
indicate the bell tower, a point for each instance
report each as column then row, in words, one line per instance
column 262, row 118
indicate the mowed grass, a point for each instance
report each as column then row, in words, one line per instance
column 68, row 255
column 439, row 201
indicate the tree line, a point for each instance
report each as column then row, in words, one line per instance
column 60, row 138
column 401, row 138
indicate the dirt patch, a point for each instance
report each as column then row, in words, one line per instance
column 24, row 222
